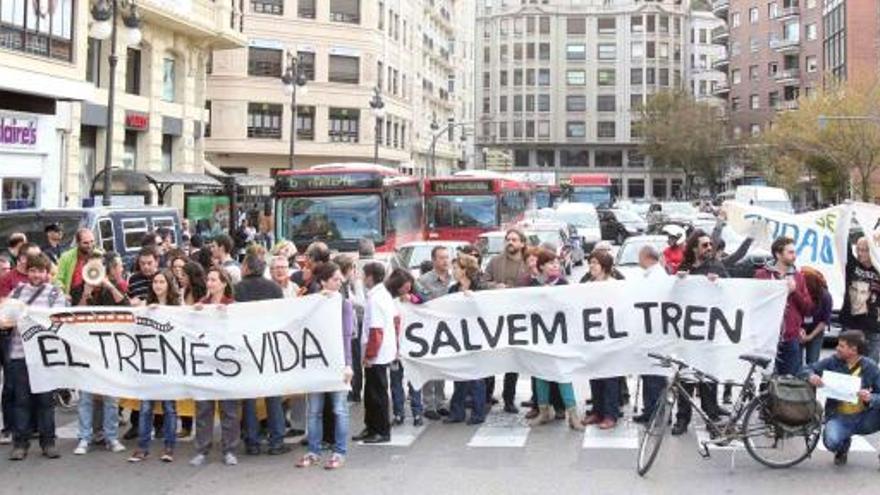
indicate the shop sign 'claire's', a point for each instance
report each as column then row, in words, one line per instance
column 18, row 131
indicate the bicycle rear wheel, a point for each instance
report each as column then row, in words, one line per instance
column 773, row 444
column 652, row 438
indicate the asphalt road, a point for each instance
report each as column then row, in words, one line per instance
column 502, row 456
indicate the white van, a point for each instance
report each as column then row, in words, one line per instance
column 585, row 220
column 773, row 198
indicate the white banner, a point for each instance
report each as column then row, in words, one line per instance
column 242, row 350
column 593, row 330
column 868, row 216
column 820, row 237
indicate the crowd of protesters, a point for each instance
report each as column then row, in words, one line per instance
column 202, row 274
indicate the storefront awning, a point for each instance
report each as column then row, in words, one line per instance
column 132, row 182
column 182, row 178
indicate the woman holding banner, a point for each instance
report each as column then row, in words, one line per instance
column 466, row 273
column 551, row 273
column 605, row 391
column 163, row 292
column 219, row 287
column 330, row 277
column 191, row 278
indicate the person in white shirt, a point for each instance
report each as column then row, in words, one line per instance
column 652, row 385
column 379, row 352
column 280, row 273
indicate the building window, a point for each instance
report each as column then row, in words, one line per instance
column 634, row 159
column 636, row 24
column 517, row 77
column 773, row 99
column 575, row 158
column 517, row 129
column 635, row 188
column 502, row 104
column 575, row 103
column 543, row 103
column 754, row 102
column 575, row 129
column 487, row 105
column 575, row 51
column 736, row 76
column 605, row 103
column 307, row 62
column 607, row 51
column 605, row 77
column 753, row 15
column 48, row 34
column 344, row 69
column 635, row 75
column 544, row 51
column 635, row 101
column 734, row 103
column 755, row 129
column 208, row 122
column 130, row 150
column 530, row 77
column 133, row 71
column 650, row 75
column 305, row 9
column 544, row 25
column 658, row 188
column 487, row 80
column 344, row 124
column 264, row 62
column 517, row 103
column 273, row 7
column 604, row 130
column 576, row 25
column 637, row 50
column 812, row 63
column 167, row 152
column 345, row 11
column 264, row 121
column 530, row 129
column 93, row 62
column 543, row 128
column 502, row 79
column 543, row 77
column 575, row 77
column 530, row 103
column 609, row 159
column 812, row 32
column 753, row 72
column 664, row 77
column 606, row 25
column 305, row 123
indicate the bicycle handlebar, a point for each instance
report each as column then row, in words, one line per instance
column 669, row 361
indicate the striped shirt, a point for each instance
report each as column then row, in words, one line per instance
column 50, row 297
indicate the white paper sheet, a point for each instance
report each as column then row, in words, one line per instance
column 841, row 387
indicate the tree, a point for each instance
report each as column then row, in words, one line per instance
column 843, row 149
column 680, row 133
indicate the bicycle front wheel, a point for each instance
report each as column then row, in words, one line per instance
column 652, row 438
column 773, row 444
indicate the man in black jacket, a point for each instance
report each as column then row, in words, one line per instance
column 255, row 287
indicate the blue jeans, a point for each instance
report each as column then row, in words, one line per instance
column 398, row 397
column 840, row 428
column 606, row 397
column 27, row 404
column 652, row 388
column 316, row 423
column 169, row 424
column 788, row 358
column 812, row 349
column 85, row 413
column 275, row 419
column 542, row 393
column 460, row 391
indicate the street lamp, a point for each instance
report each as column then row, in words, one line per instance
column 104, row 23
column 435, row 126
column 378, row 107
column 294, row 77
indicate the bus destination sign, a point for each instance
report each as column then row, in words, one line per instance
column 461, row 186
column 313, row 182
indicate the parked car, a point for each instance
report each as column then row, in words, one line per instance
column 411, row 255
column 618, row 224
column 585, row 220
column 555, row 234
column 118, row 229
column 627, row 259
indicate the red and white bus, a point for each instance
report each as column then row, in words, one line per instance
column 590, row 188
column 463, row 206
column 341, row 203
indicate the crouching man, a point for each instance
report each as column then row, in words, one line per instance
column 845, row 419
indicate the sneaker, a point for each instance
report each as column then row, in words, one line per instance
column 82, row 447
column 167, row 456
column 840, row 458
column 679, row 429
column 335, row 462
column 418, row 421
column 51, row 452
column 398, row 419
column 5, row 438
column 198, row 460
column 308, row 460
column 114, row 446
column 138, row 456
column 229, row 459
column 18, row 454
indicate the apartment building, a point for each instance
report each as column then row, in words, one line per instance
column 704, row 49
column 409, row 50
column 560, row 83
column 851, row 38
column 775, row 50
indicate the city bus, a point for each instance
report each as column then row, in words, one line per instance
column 340, row 204
column 546, row 196
column 590, row 188
column 463, row 206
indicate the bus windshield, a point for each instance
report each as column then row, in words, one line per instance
column 462, row 211
column 330, row 218
column 596, row 195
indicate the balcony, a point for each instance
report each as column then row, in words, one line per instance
column 721, row 64
column 786, row 105
column 787, row 76
column 205, row 21
column 720, row 35
column 789, row 12
column 786, row 45
column 721, row 8
column 722, row 89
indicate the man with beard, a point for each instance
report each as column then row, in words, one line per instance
column 71, row 262
column 506, row 270
column 699, row 259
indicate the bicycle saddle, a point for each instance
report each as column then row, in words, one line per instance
column 756, row 360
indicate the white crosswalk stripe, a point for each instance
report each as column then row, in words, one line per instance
column 401, row 436
column 624, row 436
column 501, row 430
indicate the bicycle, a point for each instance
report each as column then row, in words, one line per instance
column 750, row 421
